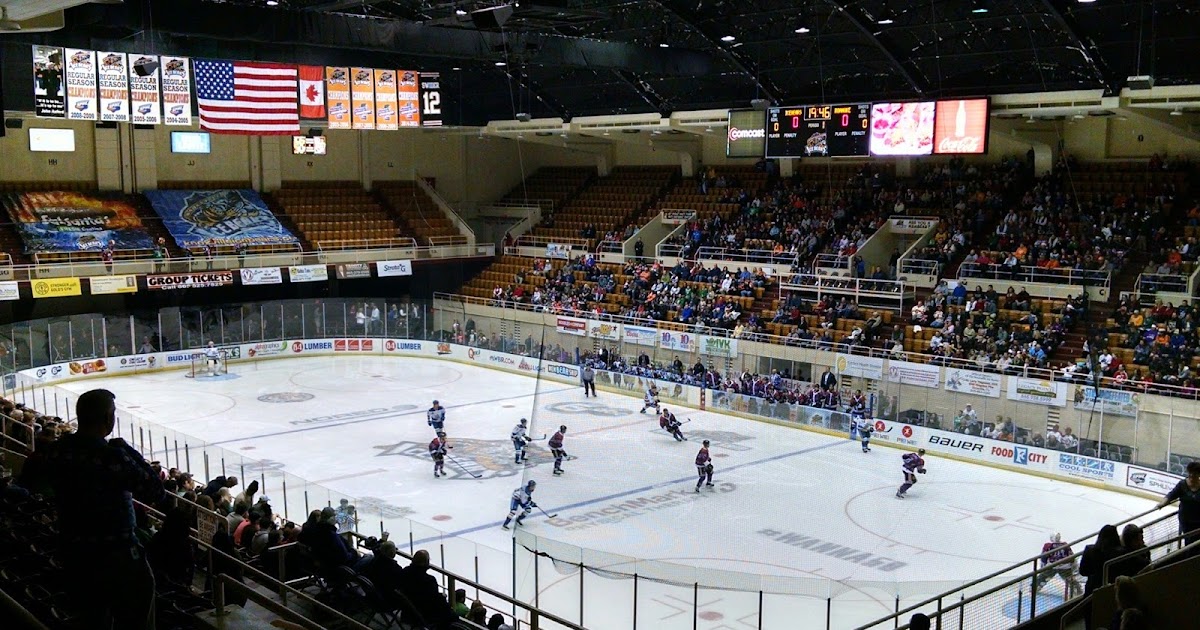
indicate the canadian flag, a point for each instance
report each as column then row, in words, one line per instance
column 312, row 92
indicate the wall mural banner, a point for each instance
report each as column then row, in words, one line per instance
column 226, row 217
column 74, row 222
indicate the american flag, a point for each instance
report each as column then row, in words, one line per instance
column 247, row 97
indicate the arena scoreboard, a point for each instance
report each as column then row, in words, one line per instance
column 819, row 131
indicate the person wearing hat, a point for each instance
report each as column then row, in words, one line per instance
column 437, row 450
column 437, row 417
column 522, row 498
column 704, row 467
column 913, row 463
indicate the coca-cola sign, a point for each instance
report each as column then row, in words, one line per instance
column 747, row 132
column 961, row 126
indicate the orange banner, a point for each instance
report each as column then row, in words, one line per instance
column 337, row 97
column 410, row 99
column 362, row 97
column 386, row 115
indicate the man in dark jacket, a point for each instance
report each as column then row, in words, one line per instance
column 422, row 589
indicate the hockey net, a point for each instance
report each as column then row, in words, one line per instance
column 200, row 367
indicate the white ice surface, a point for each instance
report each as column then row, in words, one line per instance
column 629, row 493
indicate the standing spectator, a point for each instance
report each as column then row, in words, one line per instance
column 94, row 483
column 1187, row 492
column 107, row 256
column 1107, row 547
column 209, row 249
column 215, row 486
column 226, row 562
column 161, row 254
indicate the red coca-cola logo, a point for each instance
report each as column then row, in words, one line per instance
column 964, row 144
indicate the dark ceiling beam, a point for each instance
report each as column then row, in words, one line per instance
column 1090, row 54
column 341, row 5
column 714, row 41
column 858, row 20
column 230, row 23
column 523, row 80
column 644, row 91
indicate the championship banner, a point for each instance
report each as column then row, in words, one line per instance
column 388, row 268
column 108, row 285
column 353, row 271
column 261, row 275
column 58, row 221
column 56, row 287
column 362, row 97
column 48, row 98
column 430, row 99
column 144, row 103
column 972, row 382
column 337, row 97
column 176, row 82
column 81, row 85
column 308, row 273
column 197, row 280
column 1108, row 401
column 10, row 290
column 226, row 217
column 387, row 114
column 409, row 96
column 114, row 86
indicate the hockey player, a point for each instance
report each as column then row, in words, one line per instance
column 212, row 357
column 556, row 448
column 436, row 416
column 865, row 429
column 858, row 412
column 587, row 376
column 704, row 467
column 519, row 440
column 667, row 421
column 651, row 398
column 1054, row 562
column 522, row 498
column 437, row 450
column 913, row 463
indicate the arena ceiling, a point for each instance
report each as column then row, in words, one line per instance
column 593, row 57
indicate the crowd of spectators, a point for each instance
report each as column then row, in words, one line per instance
column 1160, row 345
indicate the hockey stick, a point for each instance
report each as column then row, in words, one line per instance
column 555, row 515
column 464, row 468
column 533, row 439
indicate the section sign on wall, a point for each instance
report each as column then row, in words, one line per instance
column 48, row 98
column 176, row 90
column 81, row 85
column 114, row 87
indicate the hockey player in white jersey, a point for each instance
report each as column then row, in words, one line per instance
column 520, row 439
column 212, row 356
column 522, row 500
column 651, row 398
column 436, row 416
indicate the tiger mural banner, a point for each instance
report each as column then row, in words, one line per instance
column 218, row 217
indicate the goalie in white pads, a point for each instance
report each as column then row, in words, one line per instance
column 519, row 440
column 522, row 500
column 212, row 356
column 556, row 448
column 913, row 463
column 651, row 398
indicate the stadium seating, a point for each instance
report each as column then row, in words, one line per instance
column 551, row 185
column 338, row 214
column 419, row 213
column 606, row 205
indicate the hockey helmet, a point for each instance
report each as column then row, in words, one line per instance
column 531, row 484
column 563, row 428
column 706, row 442
column 920, row 451
column 524, row 421
column 441, row 434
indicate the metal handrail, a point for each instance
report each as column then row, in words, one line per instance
column 937, row 599
column 1135, row 552
column 1032, row 273
column 366, row 243
column 745, row 255
column 1172, row 283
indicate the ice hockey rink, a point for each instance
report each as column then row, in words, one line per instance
column 792, row 510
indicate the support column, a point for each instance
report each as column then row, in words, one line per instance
column 114, row 164
column 269, row 166
column 364, row 159
column 144, row 150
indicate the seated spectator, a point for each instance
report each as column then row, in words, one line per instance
column 497, row 623
column 460, row 603
column 1133, row 541
column 422, row 590
column 381, row 568
column 319, row 533
column 1091, row 565
column 478, row 613
column 1129, row 600
column 1069, row 441
column 170, row 552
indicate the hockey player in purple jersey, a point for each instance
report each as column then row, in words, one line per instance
column 913, row 463
column 704, row 467
column 556, row 448
column 1054, row 562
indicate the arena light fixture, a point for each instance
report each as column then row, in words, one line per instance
column 728, row 38
column 979, row 6
column 802, row 30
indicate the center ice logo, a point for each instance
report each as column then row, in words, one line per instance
column 489, row 459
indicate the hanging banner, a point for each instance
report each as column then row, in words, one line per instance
column 312, row 93
column 197, row 280
column 1037, row 391
column 430, row 99
column 639, row 335
column 571, row 325
column 114, row 87
column 81, row 85
column 56, row 287
column 857, row 366
column 176, row 82
column 362, row 97
column 337, row 97
column 352, row 271
column 409, row 96
column 308, row 273
column 48, row 98
column 58, row 221
column 972, row 382
column 224, row 217
column 1107, row 401
column 144, row 104
column 108, row 285
column 387, row 116
column 717, row 346
column 261, row 275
